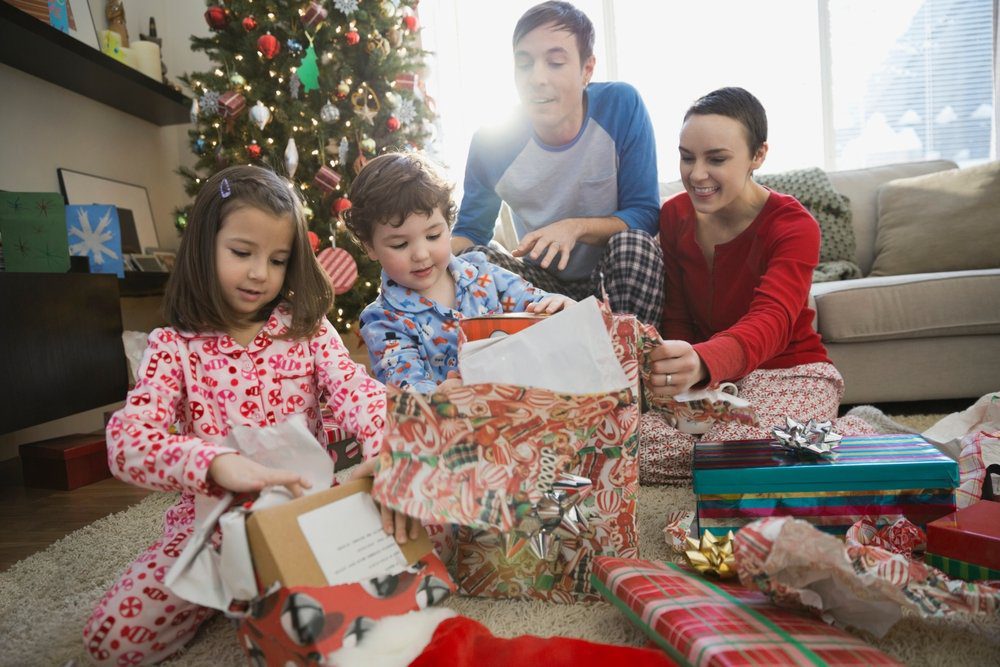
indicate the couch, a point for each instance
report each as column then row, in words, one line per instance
column 919, row 335
column 916, row 336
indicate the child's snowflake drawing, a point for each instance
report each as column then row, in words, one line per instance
column 94, row 232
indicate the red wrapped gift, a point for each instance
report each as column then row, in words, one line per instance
column 406, row 81
column 232, row 104
column 966, row 544
column 313, row 14
column 327, row 179
column 711, row 623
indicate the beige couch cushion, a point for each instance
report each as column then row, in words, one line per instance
column 861, row 186
column 947, row 221
column 961, row 303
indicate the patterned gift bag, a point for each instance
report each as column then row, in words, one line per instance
column 493, row 460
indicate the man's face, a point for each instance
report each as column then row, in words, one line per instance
column 550, row 80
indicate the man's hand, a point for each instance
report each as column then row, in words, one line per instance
column 392, row 522
column 550, row 304
column 234, row 472
column 556, row 240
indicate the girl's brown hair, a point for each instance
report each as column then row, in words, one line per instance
column 193, row 300
column 393, row 186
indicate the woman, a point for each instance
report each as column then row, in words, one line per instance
column 739, row 261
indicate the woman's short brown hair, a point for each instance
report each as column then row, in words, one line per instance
column 193, row 300
column 392, row 187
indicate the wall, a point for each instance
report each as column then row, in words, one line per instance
column 43, row 127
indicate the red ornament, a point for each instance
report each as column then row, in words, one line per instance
column 392, row 123
column 253, row 150
column 314, row 241
column 340, row 204
column 340, row 267
column 268, row 45
column 352, row 37
column 411, row 23
column 249, row 24
column 217, row 17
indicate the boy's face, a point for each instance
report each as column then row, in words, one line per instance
column 550, row 80
column 415, row 254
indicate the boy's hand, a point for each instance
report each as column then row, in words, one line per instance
column 392, row 522
column 451, row 382
column 550, row 304
column 234, row 472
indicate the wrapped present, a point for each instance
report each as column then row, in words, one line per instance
column 705, row 622
column 327, row 179
column 966, row 544
column 231, row 104
column 312, row 14
column 343, row 447
column 538, row 482
column 736, row 482
column 314, row 599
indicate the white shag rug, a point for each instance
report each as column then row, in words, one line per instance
column 45, row 599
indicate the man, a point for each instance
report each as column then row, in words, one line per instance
column 577, row 167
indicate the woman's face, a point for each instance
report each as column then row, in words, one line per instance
column 716, row 162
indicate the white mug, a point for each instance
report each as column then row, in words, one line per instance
column 695, row 411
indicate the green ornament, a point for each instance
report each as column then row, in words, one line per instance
column 308, row 70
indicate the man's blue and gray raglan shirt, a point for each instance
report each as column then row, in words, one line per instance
column 608, row 169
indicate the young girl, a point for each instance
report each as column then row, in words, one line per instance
column 248, row 343
column 739, row 261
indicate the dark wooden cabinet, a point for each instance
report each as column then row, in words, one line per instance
column 40, row 50
column 61, row 349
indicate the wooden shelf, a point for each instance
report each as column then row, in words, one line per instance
column 40, row 50
column 140, row 283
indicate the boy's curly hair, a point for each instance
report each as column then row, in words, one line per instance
column 392, row 187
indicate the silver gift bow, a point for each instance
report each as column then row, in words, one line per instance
column 813, row 438
column 555, row 517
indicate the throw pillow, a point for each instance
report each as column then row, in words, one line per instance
column 945, row 221
column 831, row 209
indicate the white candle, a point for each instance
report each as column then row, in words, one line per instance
column 147, row 57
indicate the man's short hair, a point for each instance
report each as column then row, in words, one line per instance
column 563, row 16
column 393, row 186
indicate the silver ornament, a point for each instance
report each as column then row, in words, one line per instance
column 329, row 113
column 291, row 158
column 260, row 115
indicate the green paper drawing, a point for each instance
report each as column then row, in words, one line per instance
column 33, row 231
column 308, row 70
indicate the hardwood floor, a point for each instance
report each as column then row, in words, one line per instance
column 32, row 519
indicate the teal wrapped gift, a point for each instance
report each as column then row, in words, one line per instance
column 739, row 481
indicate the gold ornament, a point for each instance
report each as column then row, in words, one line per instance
column 365, row 103
column 395, row 37
column 712, row 554
column 333, row 147
column 377, row 43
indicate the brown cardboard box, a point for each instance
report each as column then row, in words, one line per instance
column 280, row 551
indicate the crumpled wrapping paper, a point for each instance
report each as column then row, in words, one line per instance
column 896, row 534
column 864, row 587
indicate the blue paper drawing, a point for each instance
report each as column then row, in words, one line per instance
column 94, row 232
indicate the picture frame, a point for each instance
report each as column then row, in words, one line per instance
column 80, row 188
column 165, row 256
column 147, row 263
column 82, row 28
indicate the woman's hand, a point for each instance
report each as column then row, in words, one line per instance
column 674, row 368
column 237, row 473
column 550, row 304
column 551, row 241
column 392, row 522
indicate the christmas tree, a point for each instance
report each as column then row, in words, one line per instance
column 311, row 90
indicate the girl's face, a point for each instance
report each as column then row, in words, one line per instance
column 252, row 249
column 415, row 254
column 716, row 163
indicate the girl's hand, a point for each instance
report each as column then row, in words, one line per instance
column 675, row 367
column 237, row 473
column 392, row 522
column 550, row 304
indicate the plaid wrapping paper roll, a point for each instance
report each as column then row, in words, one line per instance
column 475, row 456
column 738, row 482
column 707, row 623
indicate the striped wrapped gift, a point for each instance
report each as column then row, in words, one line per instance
column 709, row 623
column 739, row 481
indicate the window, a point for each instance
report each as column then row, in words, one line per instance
column 846, row 83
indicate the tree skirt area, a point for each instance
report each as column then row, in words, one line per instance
column 45, row 599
